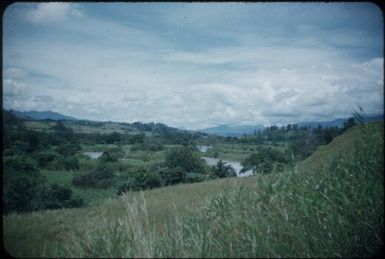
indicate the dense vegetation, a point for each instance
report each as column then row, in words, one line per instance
column 142, row 156
column 328, row 209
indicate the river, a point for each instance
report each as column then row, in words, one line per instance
column 93, row 154
column 203, row 148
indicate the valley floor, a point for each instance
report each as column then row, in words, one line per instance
column 328, row 209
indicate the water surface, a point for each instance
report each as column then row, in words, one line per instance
column 93, row 154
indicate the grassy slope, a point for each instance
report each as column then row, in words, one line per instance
column 324, row 155
column 29, row 234
column 304, row 213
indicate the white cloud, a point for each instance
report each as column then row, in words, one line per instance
column 48, row 13
column 111, row 70
column 12, row 87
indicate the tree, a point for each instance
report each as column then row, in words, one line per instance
column 60, row 197
column 22, row 184
column 112, row 155
column 184, row 157
column 25, row 188
column 113, row 138
column 348, row 124
column 222, row 170
column 265, row 161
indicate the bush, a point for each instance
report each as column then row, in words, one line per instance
column 70, row 163
column 60, row 197
column 194, row 178
column 68, row 149
column 141, row 180
column 25, row 190
column 112, row 155
column 172, row 176
column 46, row 157
column 101, row 177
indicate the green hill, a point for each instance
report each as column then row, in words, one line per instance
column 332, row 206
column 324, row 155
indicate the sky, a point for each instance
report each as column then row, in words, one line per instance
column 194, row 65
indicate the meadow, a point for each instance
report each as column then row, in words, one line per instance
column 329, row 205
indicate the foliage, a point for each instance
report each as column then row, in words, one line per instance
column 68, row 149
column 266, row 160
column 222, row 170
column 25, row 188
column 185, row 158
column 148, row 146
column 112, row 155
column 22, row 184
column 101, row 177
column 140, row 180
column 348, row 124
column 70, row 163
column 304, row 145
column 60, row 197
column 194, row 178
column 172, row 175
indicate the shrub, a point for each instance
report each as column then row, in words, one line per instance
column 172, row 176
column 101, row 177
column 141, row 180
column 60, row 197
column 70, row 163
column 112, row 155
column 25, row 190
column 45, row 157
column 194, row 178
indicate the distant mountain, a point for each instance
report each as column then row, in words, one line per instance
column 238, row 130
column 44, row 115
column 233, row 131
column 337, row 123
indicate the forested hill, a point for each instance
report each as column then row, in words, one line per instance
column 43, row 120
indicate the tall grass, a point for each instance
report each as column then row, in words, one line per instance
column 334, row 211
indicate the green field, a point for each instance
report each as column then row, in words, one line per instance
column 239, row 152
column 106, row 127
column 330, row 205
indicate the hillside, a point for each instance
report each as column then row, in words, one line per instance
column 324, row 155
column 233, row 131
column 239, row 130
column 322, row 210
column 42, row 115
column 338, row 122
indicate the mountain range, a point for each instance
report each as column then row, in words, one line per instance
column 237, row 131
column 43, row 115
column 232, row 130
column 222, row 130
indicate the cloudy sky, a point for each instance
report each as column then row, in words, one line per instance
column 194, row 65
